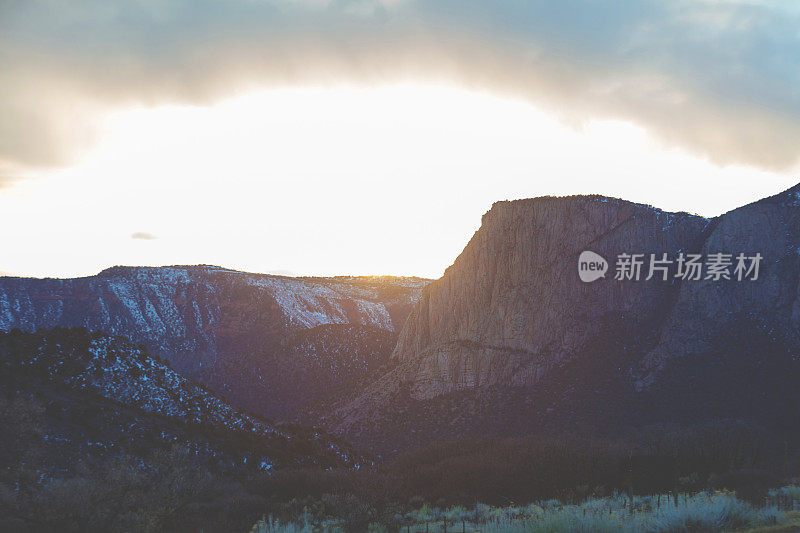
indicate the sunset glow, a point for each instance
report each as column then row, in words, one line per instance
column 333, row 180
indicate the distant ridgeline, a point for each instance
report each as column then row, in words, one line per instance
column 269, row 344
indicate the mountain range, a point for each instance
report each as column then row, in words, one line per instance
column 269, row 344
column 509, row 341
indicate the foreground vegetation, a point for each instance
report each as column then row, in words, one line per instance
column 72, row 460
column 704, row 511
column 47, row 487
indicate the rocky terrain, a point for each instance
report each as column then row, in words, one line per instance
column 270, row 344
column 510, row 340
column 103, row 396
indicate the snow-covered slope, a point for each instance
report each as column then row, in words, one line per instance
column 230, row 330
column 178, row 307
column 95, row 364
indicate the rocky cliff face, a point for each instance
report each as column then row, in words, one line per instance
column 510, row 340
column 514, row 296
column 709, row 316
column 233, row 331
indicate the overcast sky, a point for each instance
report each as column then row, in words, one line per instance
column 337, row 137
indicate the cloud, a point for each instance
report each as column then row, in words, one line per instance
column 718, row 78
column 144, row 236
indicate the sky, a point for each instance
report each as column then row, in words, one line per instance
column 325, row 137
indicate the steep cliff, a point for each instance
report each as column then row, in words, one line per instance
column 234, row 331
column 511, row 341
column 761, row 315
column 513, row 299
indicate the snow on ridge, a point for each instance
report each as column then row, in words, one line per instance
column 306, row 302
column 374, row 314
column 150, row 301
column 6, row 315
column 114, row 369
column 121, row 373
column 310, row 304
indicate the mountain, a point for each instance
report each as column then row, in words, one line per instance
column 510, row 341
column 103, row 396
column 269, row 344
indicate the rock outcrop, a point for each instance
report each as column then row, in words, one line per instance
column 105, row 396
column 512, row 304
column 510, row 340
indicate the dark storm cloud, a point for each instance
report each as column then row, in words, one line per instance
column 719, row 78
